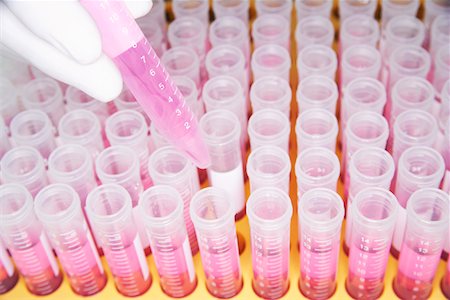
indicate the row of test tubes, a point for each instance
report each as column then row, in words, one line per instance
column 213, row 72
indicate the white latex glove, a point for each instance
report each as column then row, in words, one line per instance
column 60, row 38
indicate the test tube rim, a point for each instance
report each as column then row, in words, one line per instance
column 267, row 113
column 172, row 217
column 9, row 92
column 367, row 80
column 218, row 81
column 326, row 6
column 371, row 50
column 172, row 177
column 269, row 224
column 224, row 114
column 415, row 40
column 321, row 80
column 181, row 23
column 395, row 5
column 231, row 21
column 241, row 7
column 13, row 154
column 332, row 176
column 120, row 116
column 20, row 215
column 216, row 51
column 270, row 150
column 211, row 223
column 64, row 216
column 419, row 51
column 71, row 93
column 270, row 19
column 426, row 116
column 439, row 60
column 76, row 115
column 439, row 173
column 172, row 54
column 315, row 19
column 286, row 5
column 354, row 138
column 435, row 25
column 438, row 194
column 184, row 80
column 373, row 6
column 124, row 151
column 400, row 101
column 308, row 115
column 35, row 84
column 26, row 116
column 314, row 48
column 180, row 10
column 274, row 48
column 281, row 83
column 67, row 175
column 334, row 223
column 381, row 153
column 360, row 18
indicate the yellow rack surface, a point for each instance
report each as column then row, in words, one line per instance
column 64, row 292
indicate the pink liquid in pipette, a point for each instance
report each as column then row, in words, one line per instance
column 175, row 268
column 415, row 274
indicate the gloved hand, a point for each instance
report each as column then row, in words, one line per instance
column 61, row 39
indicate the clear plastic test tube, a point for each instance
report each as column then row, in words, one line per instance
column 33, row 128
column 82, row 127
column 440, row 35
column 393, row 8
column 126, row 100
column 305, row 8
column 374, row 211
column 271, row 92
column 413, row 127
column 269, row 127
column 314, row 30
column 445, row 283
column 271, row 60
column 317, row 91
column 358, row 30
column 153, row 32
column 271, row 29
column 426, row 232
column 369, row 167
column 58, row 208
column 212, row 214
column 316, row 60
column 316, row 167
column 348, row 8
column 269, row 211
column 44, row 94
column 24, row 165
column 316, row 127
column 418, row 167
column 158, row 14
column 128, row 128
column 269, row 166
column 167, row 166
column 77, row 99
column 162, row 212
column 235, row 8
column 194, row 8
column 281, row 8
column 359, row 61
column 109, row 209
column 182, row 61
column 5, row 144
column 72, row 164
column 321, row 212
column 434, row 9
column 441, row 67
column 8, row 273
column 9, row 106
column 221, row 130
column 23, row 236
column 188, row 89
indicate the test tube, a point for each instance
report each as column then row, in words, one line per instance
column 271, row 29
column 316, row 60
column 58, row 208
column 212, row 215
column 5, row 144
column 316, row 167
column 162, row 212
column 307, row 8
column 126, row 100
column 439, row 36
column 434, row 9
column 153, row 32
column 316, row 127
column 364, row 129
column 393, row 8
column 445, row 283
column 321, row 212
column 110, row 214
column 273, row 60
column 128, row 128
column 359, row 61
column 408, row 61
column 369, row 167
column 418, row 167
column 221, row 129
column 413, row 127
column 348, row 8
column 425, row 235
column 194, row 8
column 314, row 30
column 269, row 166
column 281, row 8
column 358, row 30
column 8, row 274
column 44, row 94
column 33, row 128
column 9, row 106
column 82, row 127
column 361, row 94
column 157, row 139
column 317, row 91
column 441, row 72
column 182, row 61
column 72, row 164
column 189, row 91
column 269, row 127
column 269, row 211
column 24, row 165
column 167, row 166
column 224, row 92
column 237, row 8
column 23, row 236
column 271, row 92
column 374, row 211
column 158, row 14
column 77, row 99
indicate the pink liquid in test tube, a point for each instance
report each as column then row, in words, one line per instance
column 8, row 274
column 23, row 236
column 144, row 75
column 269, row 212
column 58, row 208
column 212, row 215
column 321, row 212
column 445, row 284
